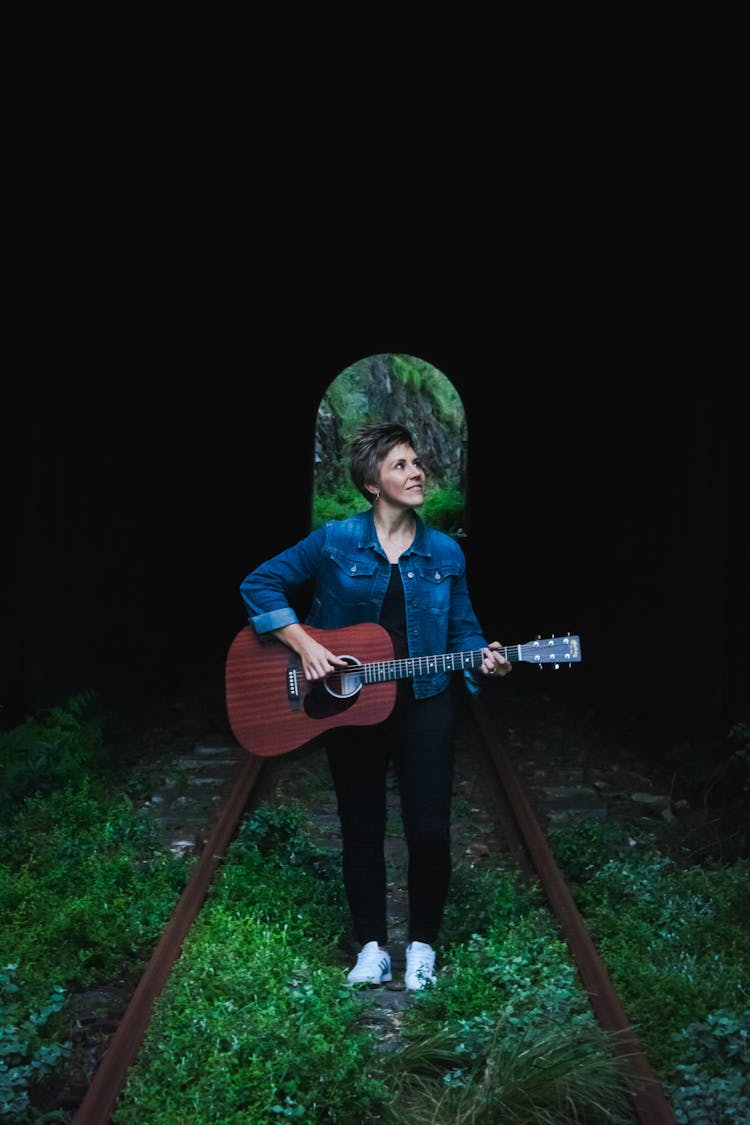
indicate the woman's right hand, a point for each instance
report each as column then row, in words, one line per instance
column 317, row 661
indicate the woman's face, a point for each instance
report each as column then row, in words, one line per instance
column 402, row 478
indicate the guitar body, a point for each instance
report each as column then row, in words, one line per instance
column 268, row 719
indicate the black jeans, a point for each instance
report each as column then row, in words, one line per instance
column 418, row 738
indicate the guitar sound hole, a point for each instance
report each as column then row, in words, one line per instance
column 345, row 684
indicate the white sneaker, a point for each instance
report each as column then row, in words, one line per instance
column 420, row 965
column 373, row 966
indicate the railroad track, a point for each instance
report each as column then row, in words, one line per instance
column 502, row 816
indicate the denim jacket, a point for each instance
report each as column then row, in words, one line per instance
column 349, row 572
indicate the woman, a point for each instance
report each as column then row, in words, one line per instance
column 385, row 565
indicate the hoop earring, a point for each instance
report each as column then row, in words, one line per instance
column 376, row 497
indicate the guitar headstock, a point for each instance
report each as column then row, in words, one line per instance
column 552, row 650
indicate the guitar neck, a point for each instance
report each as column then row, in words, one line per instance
column 382, row 670
column 551, row 650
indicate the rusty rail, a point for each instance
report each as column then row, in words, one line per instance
column 109, row 1079
column 647, row 1096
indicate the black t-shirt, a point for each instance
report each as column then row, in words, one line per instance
column 393, row 618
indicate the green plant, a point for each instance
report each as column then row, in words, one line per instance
column 85, row 890
column 713, row 1084
column 509, row 1075
column 481, row 895
column 674, row 938
column 85, row 877
column 336, row 505
column 443, row 508
column 26, row 1061
column 583, row 846
column 56, row 747
column 279, row 837
column 255, row 1023
column 716, row 775
column 424, row 379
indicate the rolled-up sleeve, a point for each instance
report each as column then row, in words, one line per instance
column 268, row 589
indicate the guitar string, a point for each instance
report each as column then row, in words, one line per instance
column 457, row 661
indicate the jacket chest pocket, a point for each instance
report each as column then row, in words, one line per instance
column 436, row 584
column 349, row 579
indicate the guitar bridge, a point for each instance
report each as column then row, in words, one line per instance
column 294, row 679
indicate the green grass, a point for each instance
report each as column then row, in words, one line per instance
column 273, row 1033
column 676, row 940
column 443, row 507
column 85, row 891
column 256, row 1023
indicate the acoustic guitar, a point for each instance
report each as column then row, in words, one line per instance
column 273, row 709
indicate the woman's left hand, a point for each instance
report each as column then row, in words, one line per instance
column 494, row 663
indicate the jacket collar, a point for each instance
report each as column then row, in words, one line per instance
column 420, row 546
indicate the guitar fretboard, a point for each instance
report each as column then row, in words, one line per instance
column 408, row 668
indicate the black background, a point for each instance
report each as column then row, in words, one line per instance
column 206, row 227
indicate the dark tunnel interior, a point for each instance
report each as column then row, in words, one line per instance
column 198, row 247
